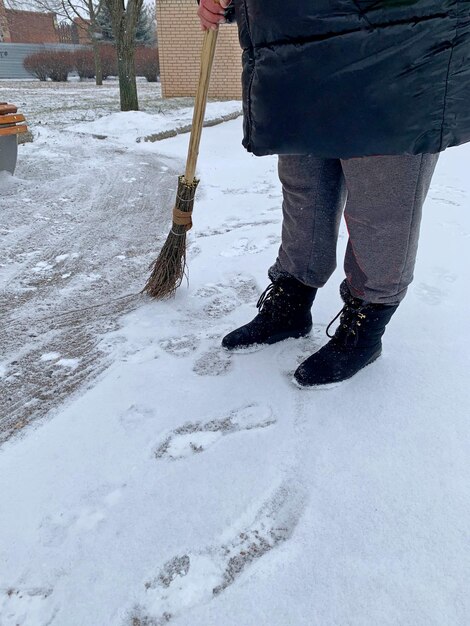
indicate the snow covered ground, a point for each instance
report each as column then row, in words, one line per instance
column 176, row 483
column 61, row 104
column 79, row 223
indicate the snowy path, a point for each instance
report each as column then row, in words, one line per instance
column 197, row 488
column 75, row 228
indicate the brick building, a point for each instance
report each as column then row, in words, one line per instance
column 26, row 32
column 4, row 28
column 83, row 30
column 32, row 27
column 179, row 46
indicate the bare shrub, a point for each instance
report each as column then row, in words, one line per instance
column 53, row 64
column 108, row 60
column 37, row 65
column 60, row 65
column 84, row 63
column 147, row 63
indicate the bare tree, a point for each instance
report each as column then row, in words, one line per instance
column 90, row 25
column 124, row 17
column 83, row 13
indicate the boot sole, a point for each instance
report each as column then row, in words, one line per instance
column 255, row 347
column 336, row 383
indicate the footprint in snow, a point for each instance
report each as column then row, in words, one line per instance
column 242, row 285
column 245, row 287
column 429, row 294
column 444, row 276
column 438, row 289
column 291, row 352
column 180, row 346
column 239, row 289
column 214, row 362
column 221, row 306
column 217, row 301
column 195, row 437
column 20, row 605
column 193, row 251
column 207, row 291
column 235, row 223
column 193, row 578
column 56, row 528
column 135, row 416
column 248, row 246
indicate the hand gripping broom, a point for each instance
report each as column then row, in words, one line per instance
column 168, row 270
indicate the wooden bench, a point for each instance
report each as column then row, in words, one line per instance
column 12, row 124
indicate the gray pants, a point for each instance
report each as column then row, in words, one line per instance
column 382, row 198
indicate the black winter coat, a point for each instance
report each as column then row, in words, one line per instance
column 345, row 78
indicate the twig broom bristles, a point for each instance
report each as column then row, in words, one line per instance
column 168, row 270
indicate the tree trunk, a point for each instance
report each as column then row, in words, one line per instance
column 126, row 73
column 124, row 20
column 98, row 66
column 93, row 30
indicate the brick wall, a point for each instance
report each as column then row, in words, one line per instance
column 83, row 30
column 4, row 29
column 179, row 45
column 32, row 27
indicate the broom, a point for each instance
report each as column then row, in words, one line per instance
column 168, row 270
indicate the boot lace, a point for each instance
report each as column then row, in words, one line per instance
column 268, row 301
column 352, row 316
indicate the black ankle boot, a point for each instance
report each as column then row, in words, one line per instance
column 356, row 342
column 284, row 311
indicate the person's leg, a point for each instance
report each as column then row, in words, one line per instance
column 383, row 215
column 314, row 193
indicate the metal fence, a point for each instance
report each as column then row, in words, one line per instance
column 13, row 54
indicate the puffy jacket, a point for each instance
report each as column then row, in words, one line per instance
column 345, row 78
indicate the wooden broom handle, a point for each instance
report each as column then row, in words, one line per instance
column 207, row 57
